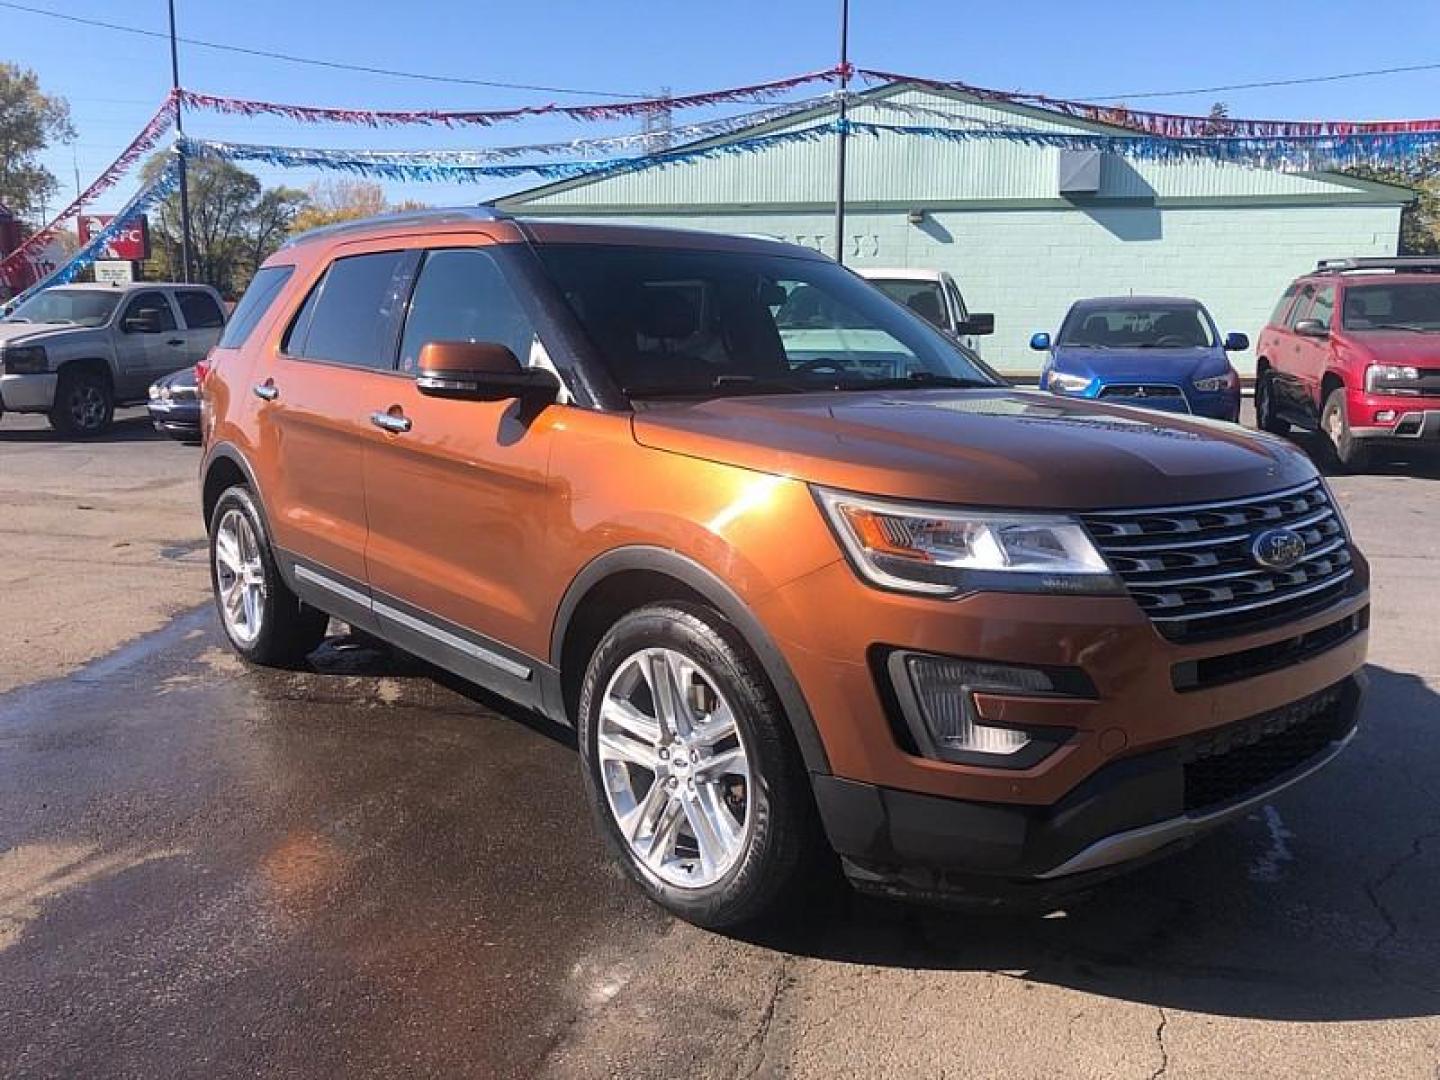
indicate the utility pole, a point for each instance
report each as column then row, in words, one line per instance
column 842, row 133
column 180, row 135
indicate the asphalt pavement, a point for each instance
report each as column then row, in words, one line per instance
column 366, row 868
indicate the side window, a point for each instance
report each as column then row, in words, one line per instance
column 153, row 308
column 349, row 317
column 264, row 287
column 199, row 310
column 462, row 295
column 1277, row 317
column 1322, row 309
column 1302, row 305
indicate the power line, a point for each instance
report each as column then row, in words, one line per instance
column 314, row 61
column 1268, row 83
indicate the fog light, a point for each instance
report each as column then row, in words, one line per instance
column 1385, row 416
column 945, row 691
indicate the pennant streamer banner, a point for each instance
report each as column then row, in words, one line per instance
column 146, row 141
column 1171, row 125
column 166, row 181
column 608, row 110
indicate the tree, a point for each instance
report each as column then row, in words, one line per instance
column 29, row 122
column 235, row 224
column 333, row 201
column 1420, row 221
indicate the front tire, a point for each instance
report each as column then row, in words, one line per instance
column 1350, row 453
column 84, row 402
column 265, row 622
column 691, row 769
column 1266, row 418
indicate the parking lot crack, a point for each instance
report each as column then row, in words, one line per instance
column 1160, row 1045
column 752, row 1057
column 1374, row 887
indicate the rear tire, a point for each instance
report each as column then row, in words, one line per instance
column 1266, row 418
column 1350, row 453
column 720, row 831
column 84, row 402
column 265, row 622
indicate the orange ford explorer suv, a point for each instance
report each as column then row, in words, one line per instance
column 803, row 573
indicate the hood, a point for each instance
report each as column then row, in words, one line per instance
column 36, row 333
column 1138, row 365
column 1397, row 347
column 1000, row 448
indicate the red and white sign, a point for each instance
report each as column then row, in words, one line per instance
column 132, row 245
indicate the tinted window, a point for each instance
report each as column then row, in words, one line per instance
column 1401, row 305
column 1322, row 308
column 264, row 287
column 199, row 310
column 349, row 317
column 668, row 321
column 1277, row 317
column 463, row 296
column 1139, row 325
column 151, row 303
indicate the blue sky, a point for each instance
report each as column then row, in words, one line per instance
column 1103, row 49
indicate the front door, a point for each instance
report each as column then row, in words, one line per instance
column 1311, row 355
column 150, row 343
column 335, row 359
column 457, row 492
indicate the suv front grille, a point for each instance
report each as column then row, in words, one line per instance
column 1190, row 568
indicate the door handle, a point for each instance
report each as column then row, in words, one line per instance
column 396, row 425
column 266, row 391
column 175, row 341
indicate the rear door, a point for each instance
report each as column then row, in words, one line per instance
column 203, row 320
column 335, row 359
column 457, row 492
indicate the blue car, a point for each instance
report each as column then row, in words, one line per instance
column 1152, row 351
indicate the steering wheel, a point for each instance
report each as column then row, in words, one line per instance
column 1173, row 341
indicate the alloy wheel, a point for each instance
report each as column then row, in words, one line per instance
column 87, row 407
column 675, row 768
column 239, row 577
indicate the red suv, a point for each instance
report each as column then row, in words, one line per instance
column 1353, row 351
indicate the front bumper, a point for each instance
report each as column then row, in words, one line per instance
column 1137, row 808
column 27, row 393
column 180, row 420
column 1187, row 401
column 1410, row 424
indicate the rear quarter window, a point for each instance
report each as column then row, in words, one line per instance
column 263, row 290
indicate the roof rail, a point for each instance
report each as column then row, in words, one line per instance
column 1415, row 264
column 403, row 218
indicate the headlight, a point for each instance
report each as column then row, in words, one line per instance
column 1228, row 381
column 944, row 552
column 24, row 360
column 1059, row 382
column 154, row 391
column 1391, row 379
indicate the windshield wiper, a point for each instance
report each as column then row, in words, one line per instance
column 1412, row 327
column 725, row 385
column 918, row 380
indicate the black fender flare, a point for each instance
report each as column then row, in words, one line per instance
column 724, row 599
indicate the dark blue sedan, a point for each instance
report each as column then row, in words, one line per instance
column 1152, row 351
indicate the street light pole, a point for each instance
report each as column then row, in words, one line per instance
column 843, row 134
column 180, row 134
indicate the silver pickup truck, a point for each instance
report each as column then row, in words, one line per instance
column 74, row 352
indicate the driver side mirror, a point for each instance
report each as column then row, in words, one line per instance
column 979, row 324
column 481, row 371
column 1236, row 342
column 142, row 322
column 1312, row 328
column 1040, row 342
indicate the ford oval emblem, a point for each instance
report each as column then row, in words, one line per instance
column 1277, row 549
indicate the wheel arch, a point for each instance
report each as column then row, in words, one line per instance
column 626, row 578
column 1331, row 381
column 97, row 364
column 224, row 467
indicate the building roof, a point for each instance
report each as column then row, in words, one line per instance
column 892, row 170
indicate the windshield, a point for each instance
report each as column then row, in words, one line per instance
column 1138, row 326
column 1394, row 306
column 922, row 297
column 84, row 307
column 675, row 322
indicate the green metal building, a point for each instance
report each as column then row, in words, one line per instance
column 1024, row 229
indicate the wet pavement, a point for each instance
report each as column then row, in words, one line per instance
column 365, row 868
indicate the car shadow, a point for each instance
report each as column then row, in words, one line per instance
column 129, row 429
column 1315, row 907
column 1420, row 463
